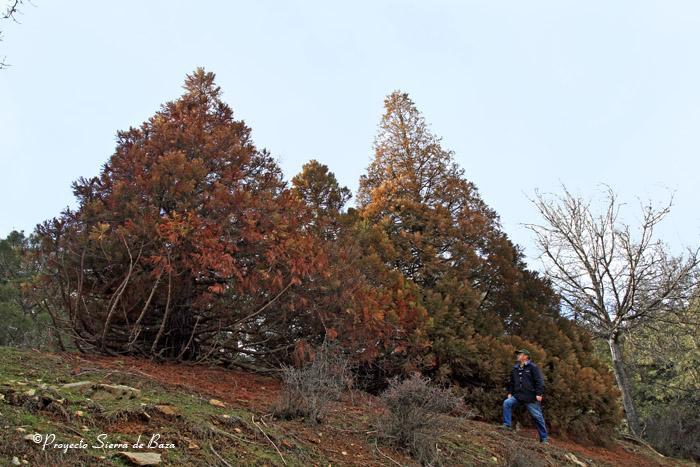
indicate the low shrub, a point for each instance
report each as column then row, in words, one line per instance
column 414, row 419
column 307, row 390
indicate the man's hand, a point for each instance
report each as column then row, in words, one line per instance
column 539, row 398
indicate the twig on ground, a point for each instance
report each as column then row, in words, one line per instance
column 344, row 430
column 82, row 371
column 642, row 442
column 385, row 456
column 218, row 431
column 252, row 417
column 106, row 376
column 135, row 371
column 72, row 430
column 220, row 458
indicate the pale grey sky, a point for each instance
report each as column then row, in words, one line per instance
column 528, row 94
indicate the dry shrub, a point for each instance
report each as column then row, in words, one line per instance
column 307, row 391
column 415, row 418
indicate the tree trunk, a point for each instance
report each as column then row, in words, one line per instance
column 623, row 383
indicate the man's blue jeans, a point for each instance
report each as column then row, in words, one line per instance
column 535, row 410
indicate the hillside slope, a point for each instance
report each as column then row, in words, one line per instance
column 195, row 415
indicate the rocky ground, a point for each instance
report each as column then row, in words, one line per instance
column 70, row 409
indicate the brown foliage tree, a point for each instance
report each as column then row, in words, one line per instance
column 370, row 309
column 185, row 244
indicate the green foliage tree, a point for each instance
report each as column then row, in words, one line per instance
column 663, row 361
column 23, row 323
column 318, row 188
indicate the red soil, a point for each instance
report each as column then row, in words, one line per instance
column 231, row 386
column 343, row 446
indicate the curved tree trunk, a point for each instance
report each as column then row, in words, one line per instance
column 623, row 384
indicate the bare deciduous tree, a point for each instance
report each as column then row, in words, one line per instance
column 10, row 13
column 612, row 277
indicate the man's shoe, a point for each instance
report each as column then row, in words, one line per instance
column 544, row 441
column 505, row 427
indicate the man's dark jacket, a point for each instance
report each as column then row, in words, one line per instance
column 526, row 382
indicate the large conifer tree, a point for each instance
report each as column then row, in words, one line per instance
column 186, row 243
column 481, row 300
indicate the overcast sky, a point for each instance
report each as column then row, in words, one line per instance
column 528, row 94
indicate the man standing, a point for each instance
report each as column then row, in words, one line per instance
column 526, row 387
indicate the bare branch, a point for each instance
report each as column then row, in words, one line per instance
column 10, row 14
column 611, row 280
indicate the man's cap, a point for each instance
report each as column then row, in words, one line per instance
column 525, row 351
